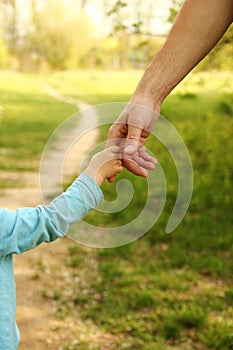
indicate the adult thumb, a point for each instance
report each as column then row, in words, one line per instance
column 133, row 140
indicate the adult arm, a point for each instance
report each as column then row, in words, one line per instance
column 197, row 28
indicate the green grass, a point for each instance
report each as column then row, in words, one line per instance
column 96, row 87
column 164, row 291
column 28, row 119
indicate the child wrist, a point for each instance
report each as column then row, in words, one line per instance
column 94, row 176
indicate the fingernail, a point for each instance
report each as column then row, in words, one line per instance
column 152, row 166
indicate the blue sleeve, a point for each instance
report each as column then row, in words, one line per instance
column 25, row 228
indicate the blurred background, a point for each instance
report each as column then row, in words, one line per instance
column 39, row 35
column 164, row 291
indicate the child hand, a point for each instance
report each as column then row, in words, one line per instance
column 105, row 164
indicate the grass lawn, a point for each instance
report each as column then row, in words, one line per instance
column 164, row 291
column 29, row 117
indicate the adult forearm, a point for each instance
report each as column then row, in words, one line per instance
column 198, row 27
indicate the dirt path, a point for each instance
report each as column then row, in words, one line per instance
column 36, row 270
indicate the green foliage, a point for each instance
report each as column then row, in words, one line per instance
column 60, row 36
column 116, row 7
column 3, row 55
column 9, row 25
column 174, row 9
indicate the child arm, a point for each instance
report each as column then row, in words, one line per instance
column 26, row 228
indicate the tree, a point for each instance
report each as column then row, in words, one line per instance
column 3, row 55
column 9, row 24
column 131, row 25
column 174, row 9
column 61, row 34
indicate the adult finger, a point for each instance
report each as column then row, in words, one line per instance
column 134, row 168
column 133, row 140
column 144, row 163
column 143, row 154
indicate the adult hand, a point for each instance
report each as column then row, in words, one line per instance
column 130, row 132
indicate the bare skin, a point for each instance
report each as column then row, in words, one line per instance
column 104, row 165
column 198, row 27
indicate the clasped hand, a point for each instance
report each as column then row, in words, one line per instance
column 130, row 132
